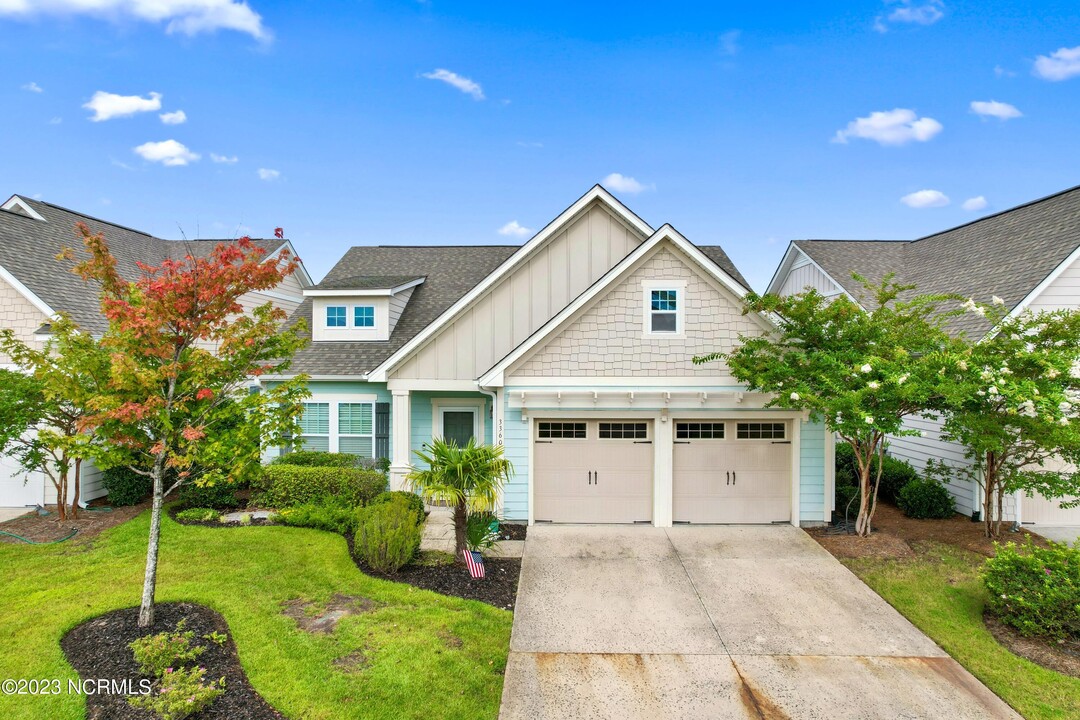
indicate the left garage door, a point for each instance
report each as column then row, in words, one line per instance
column 593, row 471
column 13, row 491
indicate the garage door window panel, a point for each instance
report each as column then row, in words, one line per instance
column 561, row 430
column 699, row 431
column 761, row 431
column 624, row 431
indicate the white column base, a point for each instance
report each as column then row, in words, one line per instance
column 401, row 441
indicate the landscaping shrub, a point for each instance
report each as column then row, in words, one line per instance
column 387, row 536
column 844, row 495
column 319, row 458
column 331, row 515
column 125, row 486
column 1036, row 591
column 284, row 485
column 895, row 473
column 413, row 501
column 180, row 694
column 157, row 653
column 221, row 495
column 198, row 515
column 925, row 498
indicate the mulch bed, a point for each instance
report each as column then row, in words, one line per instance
column 99, row 649
column 894, row 533
column 1060, row 657
column 512, row 531
column 498, row 588
column 47, row 528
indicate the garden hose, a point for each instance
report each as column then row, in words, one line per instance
column 47, row 542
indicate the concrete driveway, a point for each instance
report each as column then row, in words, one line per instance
column 1068, row 534
column 719, row 622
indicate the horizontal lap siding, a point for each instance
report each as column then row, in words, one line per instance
column 812, row 471
column 422, row 421
column 516, row 445
column 918, row 449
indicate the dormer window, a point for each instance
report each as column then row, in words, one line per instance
column 364, row 316
column 335, row 316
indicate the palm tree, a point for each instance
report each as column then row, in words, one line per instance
column 467, row 478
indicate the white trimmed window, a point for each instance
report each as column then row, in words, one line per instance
column 356, row 429
column 315, row 426
column 335, row 316
column 664, row 306
column 364, row 316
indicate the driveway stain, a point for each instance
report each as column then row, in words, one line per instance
column 756, row 703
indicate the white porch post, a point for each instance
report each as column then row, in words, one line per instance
column 401, row 438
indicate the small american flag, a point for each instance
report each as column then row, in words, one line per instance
column 475, row 561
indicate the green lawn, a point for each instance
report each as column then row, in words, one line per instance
column 940, row 592
column 416, row 669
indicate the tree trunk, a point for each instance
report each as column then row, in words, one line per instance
column 862, row 522
column 146, row 609
column 78, row 489
column 61, row 494
column 460, row 520
column 990, row 489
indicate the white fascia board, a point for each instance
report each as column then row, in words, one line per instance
column 1074, row 257
column 596, row 193
column 494, row 377
column 811, row 261
column 371, row 292
column 27, row 293
column 301, row 271
column 23, row 205
column 783, row 268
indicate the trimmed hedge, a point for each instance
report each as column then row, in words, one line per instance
column 220, row 496
column 285, row 485
column 925, row 499
column 125, row 486
column 895, row 474
column 329, row 515
column 1036, row 591
column 320, row 458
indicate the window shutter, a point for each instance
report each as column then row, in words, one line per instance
column 382, row 430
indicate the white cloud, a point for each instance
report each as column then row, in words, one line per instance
column 174, row 118
column 925, row 13
column 624, row 183
column 514, row 229
column 993, row 108
column 926, row 199
column 1003, row 72
column 890, row 127
column 30, row 86
column 189, row 17
column 729, row 42
column 166, row 152
column 107, row 106
column 462, row 83
column 976, row 203
column 1061, row 64
column 225, row 159
column 268, row 175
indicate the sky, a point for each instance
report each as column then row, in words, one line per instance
column 362, row 123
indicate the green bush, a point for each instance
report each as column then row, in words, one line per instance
column 180, row 694
column 198, row 515
column 1036, row 591
column 157, row 653
column 330, row 515
column 413, row 501
column 284, row 485
column 481, row 531
column 845, row 495
column 321, row 458
column 125, row 486
column 220, row 496
column 925, row 498
column 895, row 473
column 387, row 536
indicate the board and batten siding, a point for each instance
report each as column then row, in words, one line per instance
column 515, row 307
column 804, row 274
column 609, row 339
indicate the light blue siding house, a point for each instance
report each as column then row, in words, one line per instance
column 573, row 351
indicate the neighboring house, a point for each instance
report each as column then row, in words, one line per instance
column 574, row 352
column 1029, row 256
column 35, row 286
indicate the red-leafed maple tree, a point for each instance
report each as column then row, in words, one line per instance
column 183, row 352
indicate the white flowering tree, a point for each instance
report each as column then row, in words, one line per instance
column 860, row 368
column 1013, row 399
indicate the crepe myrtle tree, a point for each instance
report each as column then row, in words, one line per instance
column 182, row 353
column 1013, row 400
column 45, row 403
column 862, row 369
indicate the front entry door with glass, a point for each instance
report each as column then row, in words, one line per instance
column 458, row 426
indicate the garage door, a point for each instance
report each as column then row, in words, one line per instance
column 1041, row 511
column 13, row 491
column 731, row 472
column 593, row 471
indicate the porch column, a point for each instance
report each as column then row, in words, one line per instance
column 400, row 438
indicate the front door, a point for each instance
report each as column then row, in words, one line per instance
column 458, row 426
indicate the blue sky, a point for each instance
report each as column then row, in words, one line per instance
column 352, row 123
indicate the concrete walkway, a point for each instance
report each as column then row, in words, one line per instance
column 1069, row 534
column 744, row 622
column 439, row 536
column 10, row 513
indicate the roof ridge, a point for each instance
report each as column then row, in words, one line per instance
column 423, row 247
column 991, row 216
column 91, row 217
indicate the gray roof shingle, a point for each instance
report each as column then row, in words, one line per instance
column 1007, row 254
column 367, row 282
column 28, row 250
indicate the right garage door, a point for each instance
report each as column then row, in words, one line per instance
column 731, row 472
